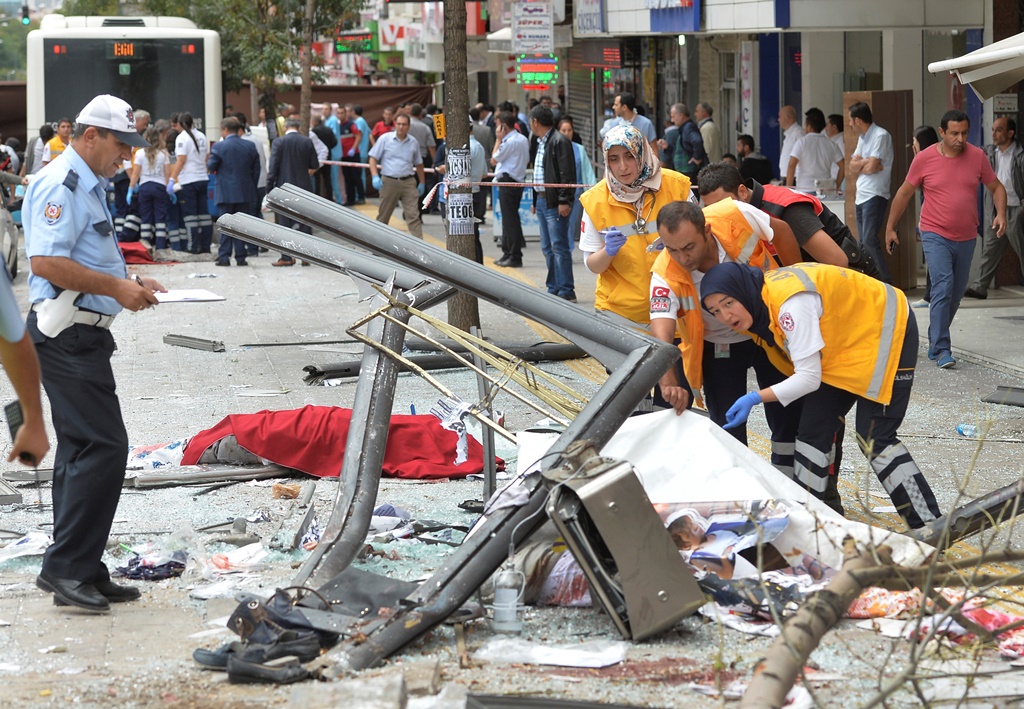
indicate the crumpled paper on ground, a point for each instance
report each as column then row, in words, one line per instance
column 593, row 653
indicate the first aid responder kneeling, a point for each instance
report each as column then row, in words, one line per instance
column 842, row 337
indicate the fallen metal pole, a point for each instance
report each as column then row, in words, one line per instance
column 324, row 252
column 547, row 352
column 603, row 339
column 986, row 512
column 364, row 449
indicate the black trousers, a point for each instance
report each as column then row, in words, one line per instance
column 291, row 223
column 479, row 210
column 512, row 240
column 877, row 427
column 725, row 381
column 354, row 189
column 92, row 447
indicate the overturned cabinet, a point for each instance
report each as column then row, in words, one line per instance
column 631, row 563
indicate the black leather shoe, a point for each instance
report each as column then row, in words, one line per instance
column 73, row 593
column 221, row 263
column 218, row 659
column 971, row 293
column 512, row 263
column 283, row 671
column 115, row 593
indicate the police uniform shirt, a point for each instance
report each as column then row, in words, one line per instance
column 396, row 158
column 65, row 214
column 12, row 324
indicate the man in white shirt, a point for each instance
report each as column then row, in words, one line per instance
column 1007, row 159
column 871, row 165
column 791, row 133
column 813, row 156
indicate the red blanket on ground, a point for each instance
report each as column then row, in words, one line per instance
column 312, row 439
column 134, row 252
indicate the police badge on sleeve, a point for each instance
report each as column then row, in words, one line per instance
column 52, row 212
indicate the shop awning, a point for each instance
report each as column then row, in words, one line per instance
column 500, row 42
column 989, row 70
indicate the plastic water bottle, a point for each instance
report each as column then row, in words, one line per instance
column 508, row 589
column 968, row 430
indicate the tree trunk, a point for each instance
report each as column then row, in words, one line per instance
column 802, row 633
column 463, row 310
column 306, row 93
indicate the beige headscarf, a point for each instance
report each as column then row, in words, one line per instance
column 649, row 178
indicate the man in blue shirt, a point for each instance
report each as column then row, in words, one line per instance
column 77, row 286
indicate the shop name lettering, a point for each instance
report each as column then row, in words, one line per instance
column 589, row 22
column 666, row 4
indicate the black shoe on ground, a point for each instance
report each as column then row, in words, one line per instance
column 218, row 262
column 977, row 294
column 570, row 296
column 302, row 644
column 73, row 593
column 243, row 262
column 283, row 671
column 511, row 263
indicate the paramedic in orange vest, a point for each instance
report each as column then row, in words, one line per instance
column 619, row 214
column 843, row 338
column 714, row 357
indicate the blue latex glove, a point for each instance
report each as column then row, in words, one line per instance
column 613, row 240
column 128, row 197
column 739, row 411
column 174, row 198
column 170, row 187
column 421, row 188
column 378, row 184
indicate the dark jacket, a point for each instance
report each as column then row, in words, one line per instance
column 292, row 156
column 1017, row 178
column 237, row 165
column 559, row 168
column 757, row 167
column 326, row 135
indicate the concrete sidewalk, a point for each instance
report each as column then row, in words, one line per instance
column 139, row 655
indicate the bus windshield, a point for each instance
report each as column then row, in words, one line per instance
column 162, row 76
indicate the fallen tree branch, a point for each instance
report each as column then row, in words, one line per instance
column 802, row 633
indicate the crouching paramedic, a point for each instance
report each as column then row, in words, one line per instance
column 821, row 234
column 715, row 358
column 843, row 338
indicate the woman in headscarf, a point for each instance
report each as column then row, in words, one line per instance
column 843, row 338
column 619, row 221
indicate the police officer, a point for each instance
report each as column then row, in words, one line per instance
column 843, row 338
column 73, row 251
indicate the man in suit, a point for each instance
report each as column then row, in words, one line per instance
column 292, row 162
column 236, row 162
column 323, row 173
